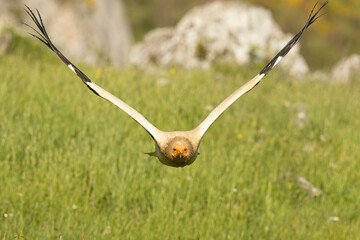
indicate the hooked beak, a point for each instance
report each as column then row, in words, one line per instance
column 180, row 155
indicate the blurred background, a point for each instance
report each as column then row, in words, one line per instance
column 336, row 35
column 121, row 23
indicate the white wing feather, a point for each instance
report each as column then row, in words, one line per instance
column 203, row 127
column 43, row 37
column 153, row 131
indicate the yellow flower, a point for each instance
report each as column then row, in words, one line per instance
column 172, row 71
column 296, row 84
column 295, row 3
column 239, row 136
column 99, row 73
column 91, row 3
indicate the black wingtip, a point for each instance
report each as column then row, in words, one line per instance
column 43, row 36
column 312, row 18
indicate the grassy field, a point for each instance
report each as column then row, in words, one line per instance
column 72, row 166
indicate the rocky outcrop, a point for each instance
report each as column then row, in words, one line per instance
column 346, row 69
column 218, row 31
column 5, row 38
column 85, row 30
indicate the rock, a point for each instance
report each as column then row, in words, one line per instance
column 346, row 68
column 91, row 31
column 157, row 48
column 320, row 75
column 5, row 40
column 313, row 191
column 218, row 31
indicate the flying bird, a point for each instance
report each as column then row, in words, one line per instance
column 178, row 148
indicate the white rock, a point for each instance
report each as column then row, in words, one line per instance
column 334, row 219
column 346, row 68
column 5, row 41
column 313, row 191
column 320, row 75
column 90, row 31
column 219, row 31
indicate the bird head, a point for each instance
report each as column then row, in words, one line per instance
column 179, row 151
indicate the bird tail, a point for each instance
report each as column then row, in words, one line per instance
column 151, row 154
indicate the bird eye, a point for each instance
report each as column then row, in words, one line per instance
column 174, row 149
column 185, row 149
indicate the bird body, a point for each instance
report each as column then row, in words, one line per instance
column 179, row 148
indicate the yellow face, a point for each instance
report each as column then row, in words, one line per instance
column 179, row 151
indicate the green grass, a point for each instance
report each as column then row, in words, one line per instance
column 72, row 166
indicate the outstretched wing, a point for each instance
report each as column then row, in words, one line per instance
column 253, row 82
column 43, row 37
